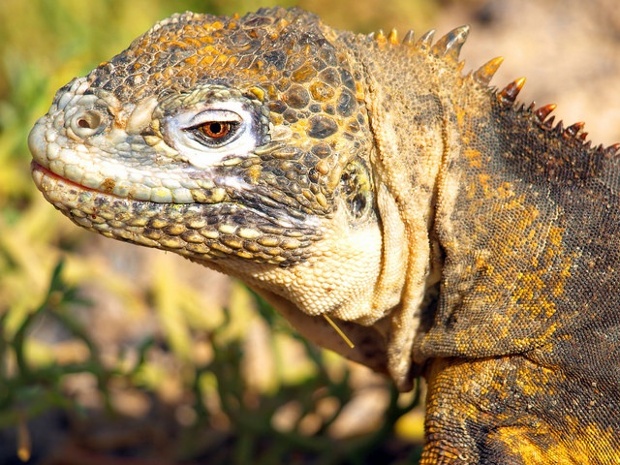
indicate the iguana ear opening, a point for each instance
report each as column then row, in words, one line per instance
column 356, row 189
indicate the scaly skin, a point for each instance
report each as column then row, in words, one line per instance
column 447, row 231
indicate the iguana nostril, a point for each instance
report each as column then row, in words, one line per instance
column 84, row 123
column 87, row 123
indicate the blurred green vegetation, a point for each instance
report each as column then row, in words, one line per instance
column 190, row 363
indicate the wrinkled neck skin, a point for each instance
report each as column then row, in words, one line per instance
column 411, row 140
column 409, row 128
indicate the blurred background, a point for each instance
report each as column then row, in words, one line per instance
column 114, row 354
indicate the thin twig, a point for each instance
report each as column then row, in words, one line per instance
column 339, row 331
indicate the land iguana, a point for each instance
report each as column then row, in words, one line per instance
column 447, row 230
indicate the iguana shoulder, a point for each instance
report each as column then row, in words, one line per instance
column 367, row 182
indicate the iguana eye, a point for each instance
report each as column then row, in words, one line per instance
column 209, row 132
column 215, row 133
column 216, row 127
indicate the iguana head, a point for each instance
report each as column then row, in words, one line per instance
column 243, row 144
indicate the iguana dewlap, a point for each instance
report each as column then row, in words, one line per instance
column 446, row 230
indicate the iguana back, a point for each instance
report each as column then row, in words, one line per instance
column 448, row 231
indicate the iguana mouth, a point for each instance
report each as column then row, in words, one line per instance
column 197, row 231
column 38, row 171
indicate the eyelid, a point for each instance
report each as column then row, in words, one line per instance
column 224, row 116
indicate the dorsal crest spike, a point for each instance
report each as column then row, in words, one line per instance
column 542, row 113
column 450, row 45
column 485, row 73
column 380, row 37
column 426, row 40
column 393, row 37
column 409, row 37
column 613, row 149
column 574, row 129
column 549, row 122
column 509, row 94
